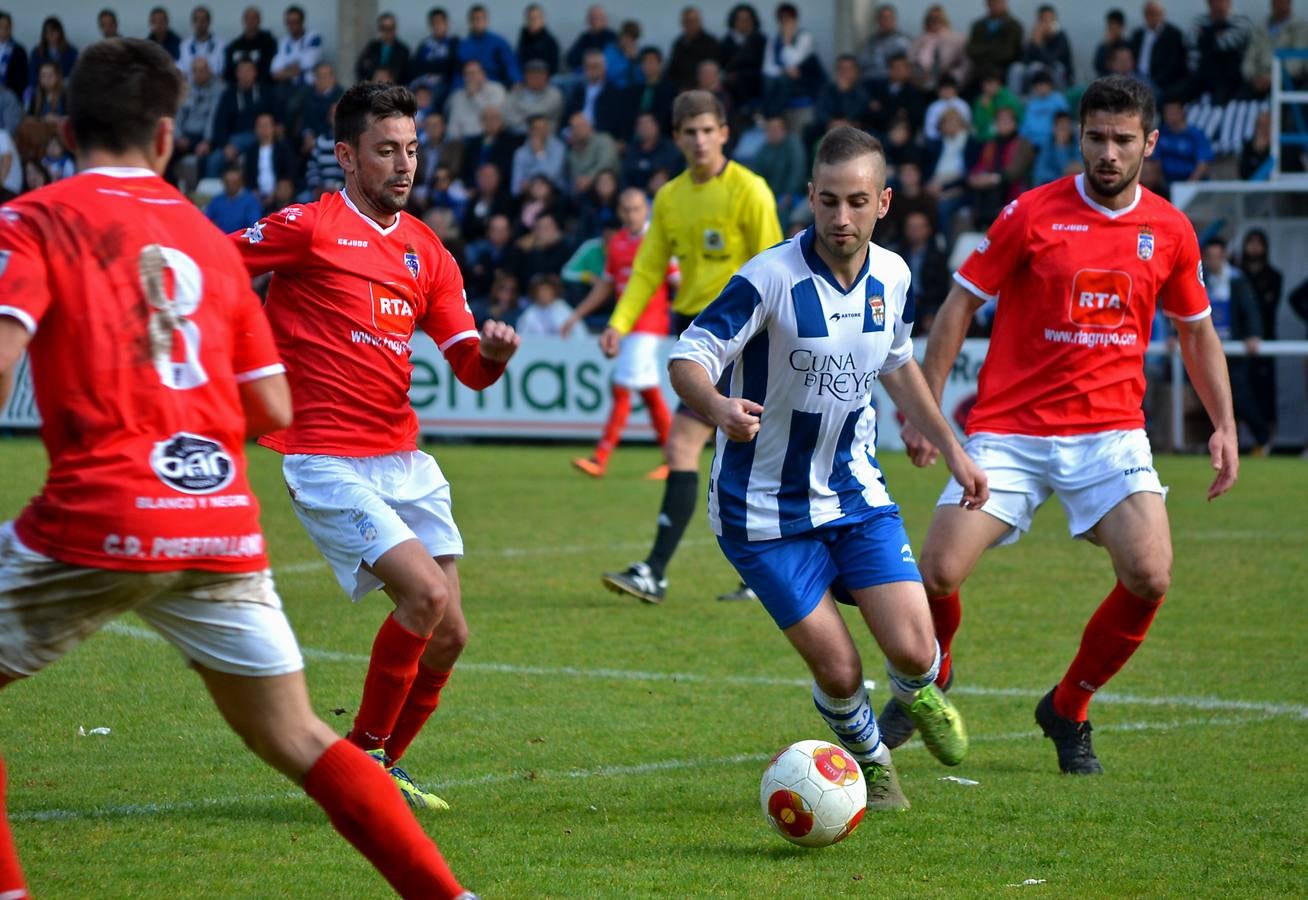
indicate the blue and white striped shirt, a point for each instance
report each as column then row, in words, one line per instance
column 808, row 351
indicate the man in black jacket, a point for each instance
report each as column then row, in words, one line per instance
column 253, row 43
column 1160, row 55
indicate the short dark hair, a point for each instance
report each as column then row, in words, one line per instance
column 119, row 90
column 294, row 8
column 1215, row 240
column 159, row 9
column 1116, row 17
column 650, row 48
column 100, row 15
column 370, row 99
column 8, row 18
column 437, row 11
column 844, row 143
column 1120, row 94
column 690, row 104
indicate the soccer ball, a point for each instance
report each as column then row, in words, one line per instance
column 813, row 793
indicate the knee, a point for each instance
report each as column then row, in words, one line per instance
column 940, row 576
column 915, row 655
column 421, row 610
column 839, row 678
column 1149, row 582
column 291, row 748
column 450, row 637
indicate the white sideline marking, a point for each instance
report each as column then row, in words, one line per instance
column 137, row 810
column 1292, row 710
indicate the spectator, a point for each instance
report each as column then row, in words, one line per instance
column 1114, row 37
column 312, row 120
column 547, row 312
column 542, row 154
column 597, row 36
column 622, row 57
column 34, row 175
column 385, row 51
column 900, row 146
column 844, row 97
column 464, row 108
column 298, row 52
column 436, row 61
column 929, row 266
column 488, row 255
column 1042, row 104
column 939, row 50
column 543, row 250
column 489, row 49
column 489, row 197
column 1267, row 284
column 741, row 56
column 950, row 159
column 193, row 129
column 436, row 149
column 589, row 153
column 233, row 125
column 161, row 33
column 539, row 198
column 448, row 193
column 1046, row 49
column 783, row 164
column 235, row 208
column 255, row 44
column 11, row 168
column 504, row 304
column 598, row 207
column 1218, row 42
column 1060, row 154
column 910, row 197
column 946, row 98
column 53, row 47
column 1182, row 148
column 535, row 96
column 656, row 94
column 606, row 106
column 13, row 59
column 1236, row 317
column 792, row 73
column 648, row 152
column 268, row 167
column 1160, row 54
column 896, row 96
column 1255, row 162
column 692, row 46
column 445, row 225
column 535, row 41
column 202, row 42
column 993, row 97
column 58, row 162
column 11, row 111
column 995, row 42
column 709, row 78
column 883, row 44
column 322, row 171
column 495, row 145
column 1002, row 169
column 1281, row 32
column 107, row 22
column 48, row 99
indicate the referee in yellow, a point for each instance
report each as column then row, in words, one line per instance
column 713, row 217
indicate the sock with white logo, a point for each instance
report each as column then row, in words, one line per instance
column 905, row 688
column 855, row 726
column 679, row 493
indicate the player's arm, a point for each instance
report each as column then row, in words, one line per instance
column 1205, row 363
column 477, row 359
column 599, row 294
column 260, row 375
column 24, row 294
column 277, row 242
column 647, row 273
column 14, row 338
column 267, row 404
column 738, row 417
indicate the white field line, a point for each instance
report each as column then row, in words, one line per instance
column 140, row 810
column 1290, row 710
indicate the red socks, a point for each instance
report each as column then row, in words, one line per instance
column 659, row 416
column 946, row 615
column 365, row 806
column 617, row 421
column 11, row 873
column 424, row 697
column 1113, row 633
column 391, row 672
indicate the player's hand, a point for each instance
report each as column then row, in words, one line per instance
column 976, row 487
column 738, row 418
column 609, row 341
column 1225, row 453
column 499, row 341
column 921, row 451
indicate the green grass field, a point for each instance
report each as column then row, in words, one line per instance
column 593, row 747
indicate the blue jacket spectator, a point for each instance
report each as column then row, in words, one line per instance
column 54, row 47
column 622, row 57
column 1183, row 150
column 597, row 36
column 648, row 152
column 162, row 35
column 1060, row 152
column 489, row 49
column 1042, row 104
column 604, row 104
column 437, row 57
column 236, row 207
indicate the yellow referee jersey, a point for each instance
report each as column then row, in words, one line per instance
column 712, row 229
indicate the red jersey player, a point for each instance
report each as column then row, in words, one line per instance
column 151, row 360
column 637, row 364
column 1077, row 267
column 354, row 277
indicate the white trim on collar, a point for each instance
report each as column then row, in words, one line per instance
column 120, row 172
column 380, row 230
column 1103, row 210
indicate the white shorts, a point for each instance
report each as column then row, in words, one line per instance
column 357, row 508
column 637, row 365
column 1090, row 473
column 230, row 622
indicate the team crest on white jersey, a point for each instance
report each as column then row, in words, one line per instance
column 1144, row 243
column 411, row 261
column 254, row 234
column 877, row 304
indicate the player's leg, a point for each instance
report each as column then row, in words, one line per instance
column 598, row 461
column 12, row 883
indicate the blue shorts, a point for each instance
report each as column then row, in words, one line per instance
column 791, row 574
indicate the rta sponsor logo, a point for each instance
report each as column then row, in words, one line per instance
column 833, row 374
column 1100, row 298
column 351, row 242
column 392, row 308
column 192, row 464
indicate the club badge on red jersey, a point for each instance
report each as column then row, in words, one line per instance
column 1144, row 243
column 411, row 260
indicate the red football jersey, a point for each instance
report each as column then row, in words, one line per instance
column 618, row 257
column 143, row 324
column 1076, row 285
column 346, row 297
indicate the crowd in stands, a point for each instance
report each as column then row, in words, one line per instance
column 525, row 145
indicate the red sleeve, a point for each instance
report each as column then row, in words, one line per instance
column 1183, row 294
column 471, row 368
column 989, row 266
column 448, row 319
column 277, row 242
column 255, row 353
column 24, row 274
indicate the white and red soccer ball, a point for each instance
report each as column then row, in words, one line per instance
column 813, row 793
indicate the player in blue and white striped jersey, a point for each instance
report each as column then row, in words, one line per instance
column 796, row 498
